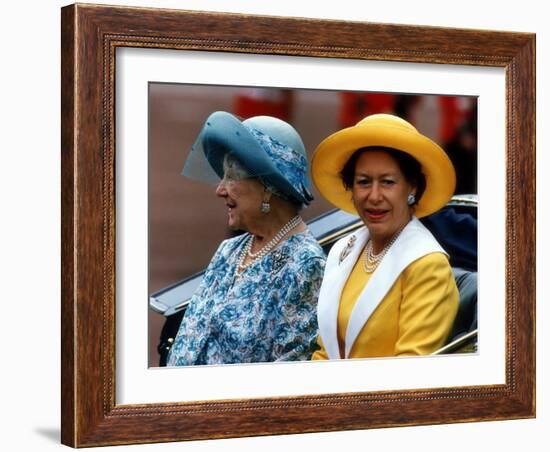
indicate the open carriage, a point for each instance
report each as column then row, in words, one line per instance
column 455, row 228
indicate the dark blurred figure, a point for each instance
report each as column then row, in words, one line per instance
column 462, row 150
column 355, row 106
column 404, row 106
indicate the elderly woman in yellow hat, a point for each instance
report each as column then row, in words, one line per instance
column 257, row 301
column 388, row 288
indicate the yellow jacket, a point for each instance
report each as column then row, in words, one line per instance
column 414, row 318
column 407, row 308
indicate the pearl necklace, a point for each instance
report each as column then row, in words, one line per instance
column 372, row 260
column 247, row 249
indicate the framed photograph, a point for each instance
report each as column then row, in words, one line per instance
column 187, row 221
column 136, row 86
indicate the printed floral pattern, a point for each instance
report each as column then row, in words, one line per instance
column 287, row 160
column 267, row 313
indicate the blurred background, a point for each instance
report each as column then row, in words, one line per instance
column 186, row 219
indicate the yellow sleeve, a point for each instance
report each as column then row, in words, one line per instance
column 428, row 306
column 321, row 353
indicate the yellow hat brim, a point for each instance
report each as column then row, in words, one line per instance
column 333, row 153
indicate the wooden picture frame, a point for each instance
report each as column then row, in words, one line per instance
column 90, row 36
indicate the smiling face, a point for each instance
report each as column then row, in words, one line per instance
column 243, row 196
column 379, row 193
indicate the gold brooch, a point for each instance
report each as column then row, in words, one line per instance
column 345, row 252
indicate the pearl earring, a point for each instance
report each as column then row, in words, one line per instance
column 266, row 207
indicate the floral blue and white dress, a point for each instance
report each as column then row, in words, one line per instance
column 266, row 313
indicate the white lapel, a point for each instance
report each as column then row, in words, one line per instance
column 414, row 242
column 336, row 274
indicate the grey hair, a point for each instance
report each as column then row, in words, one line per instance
column 235, row 168
column 238, row 172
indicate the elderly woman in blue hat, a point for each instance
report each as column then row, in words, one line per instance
column 257, row 300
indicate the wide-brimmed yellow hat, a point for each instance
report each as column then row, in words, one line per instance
column 386, row 131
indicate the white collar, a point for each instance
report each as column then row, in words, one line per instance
column 414, row 242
